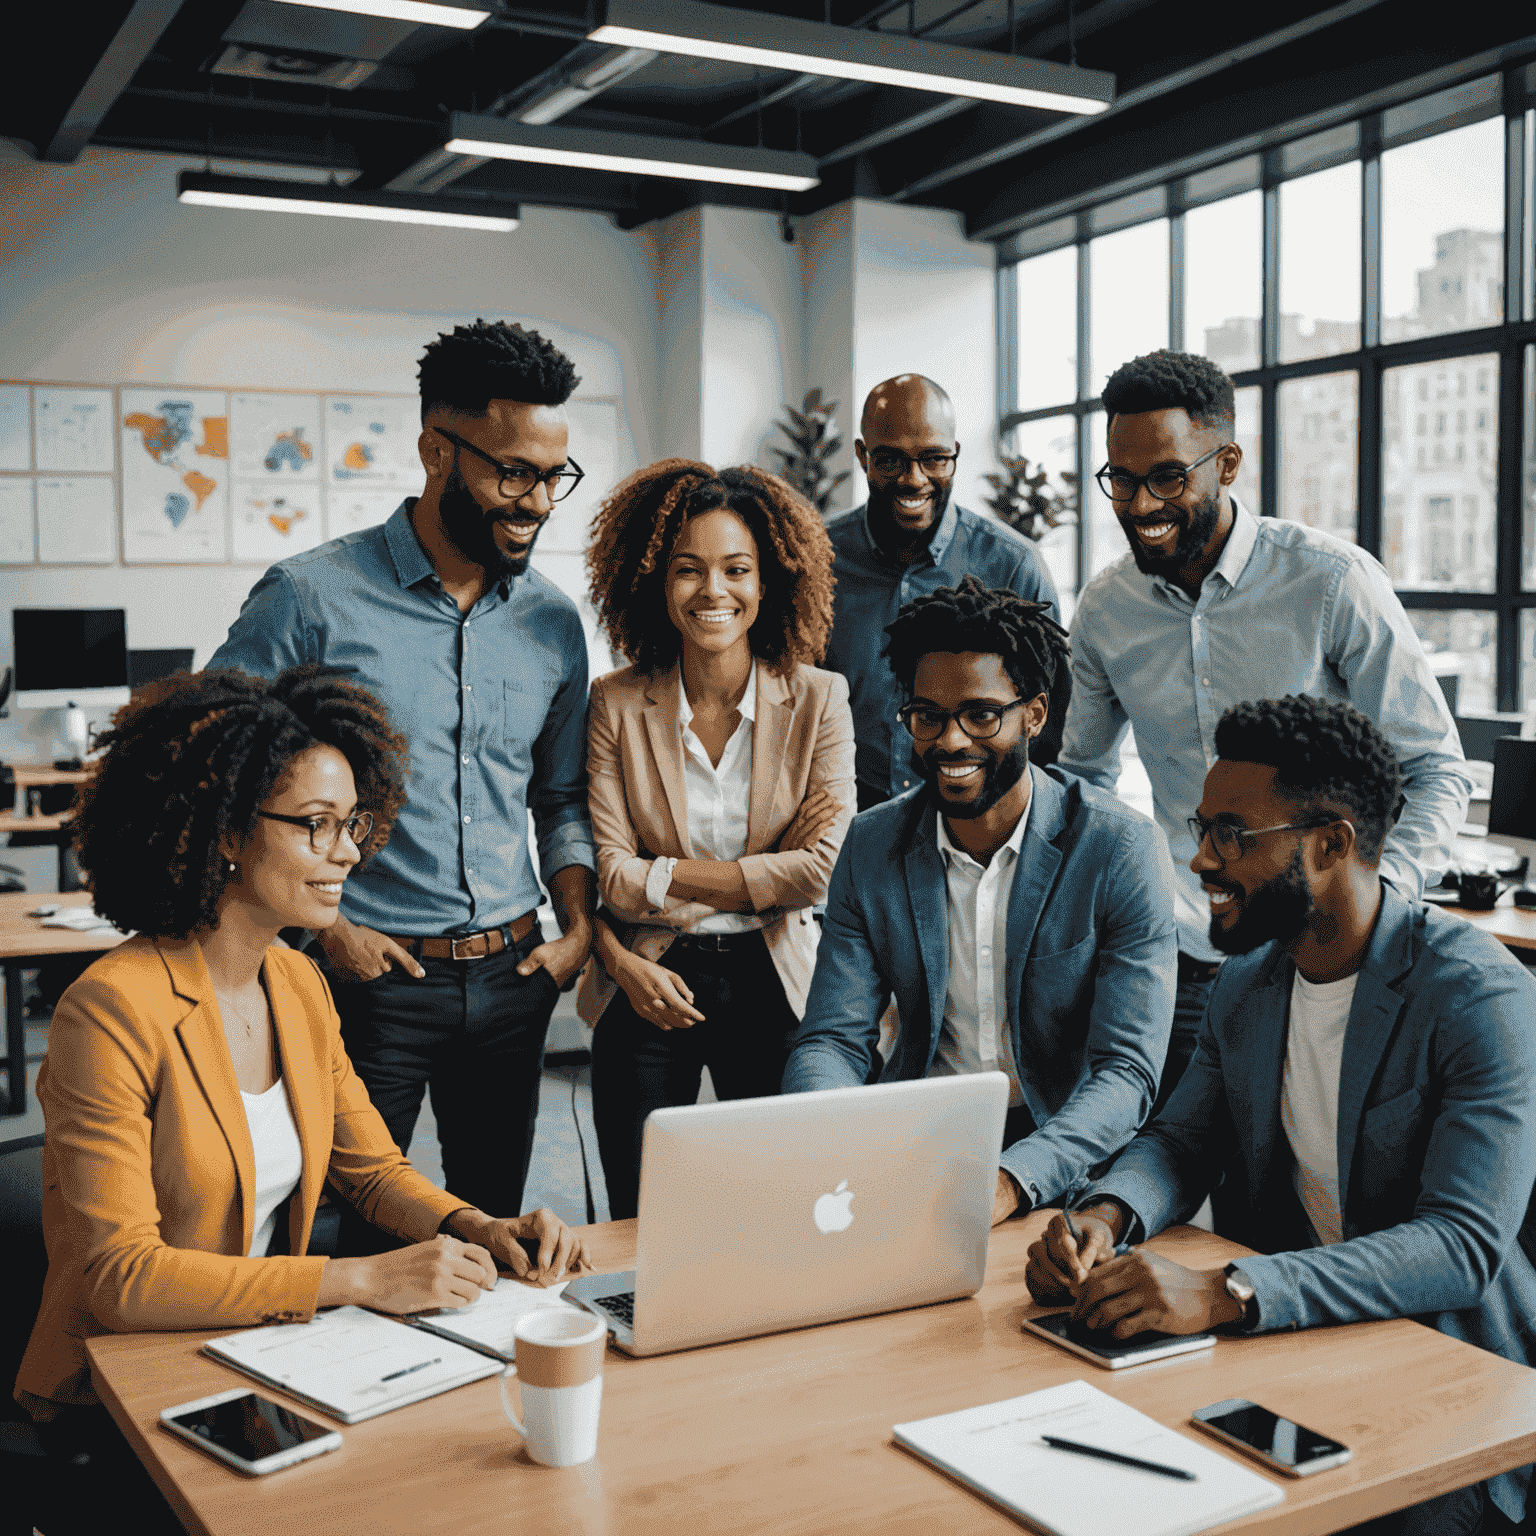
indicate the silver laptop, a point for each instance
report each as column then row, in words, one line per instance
column 766, row 1214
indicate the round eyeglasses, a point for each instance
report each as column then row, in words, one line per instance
column 1230, row 842
column 325, row 829
column 979, row 721
column 518, row 479
column 1166, row 482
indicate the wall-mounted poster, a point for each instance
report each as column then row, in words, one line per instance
column 594, row 444
column 15, row 426
column 370, row 440
column 272, row 522
column 16, row 540
column 348, row 511
column 73, row 429
column 77, row 520
column 175, row 474
column 274, row 439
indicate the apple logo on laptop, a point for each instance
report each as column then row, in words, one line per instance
column 834, row 1212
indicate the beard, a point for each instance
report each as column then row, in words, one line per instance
column 882, row 517
column 470, row 529
column 1197, row 527
column 1276, row 911
column 998, row 776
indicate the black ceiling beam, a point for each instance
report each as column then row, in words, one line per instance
column 131, row 44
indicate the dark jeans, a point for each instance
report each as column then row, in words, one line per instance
column 1466, row 1512
column 638, row 1067
column 91, row 1481
column 1188, row 1010
column 473, row 1032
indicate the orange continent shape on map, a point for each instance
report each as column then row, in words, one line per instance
column 200, row 486
column 284, row 524
column 215, row 443
column 356, row 456
column 157, row 437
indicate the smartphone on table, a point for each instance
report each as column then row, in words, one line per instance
column 1281, row 1444
column 250, row 1433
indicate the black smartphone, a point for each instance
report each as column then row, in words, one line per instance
column 249, row 1433
column 1283, row 1445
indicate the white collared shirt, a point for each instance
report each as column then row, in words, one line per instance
column 974, row 1036
column 718, row 802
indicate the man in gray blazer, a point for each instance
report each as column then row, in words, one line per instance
column 1022, row 920
column 1362, row 1099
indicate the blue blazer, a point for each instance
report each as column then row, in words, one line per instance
column 1437, row 1141
column 1091, row 968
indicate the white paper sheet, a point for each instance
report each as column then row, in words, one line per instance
column 492, row 1317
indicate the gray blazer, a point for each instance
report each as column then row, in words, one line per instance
column 1091, row 967
column 1437, row 1141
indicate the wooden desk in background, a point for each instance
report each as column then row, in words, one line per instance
column 30, row 777
column 792, row 1433
column 1509, row 924
column 23, row 942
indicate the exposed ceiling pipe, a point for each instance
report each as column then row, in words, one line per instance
column 583, row 85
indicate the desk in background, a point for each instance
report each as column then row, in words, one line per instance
column 45, row 829
column 792, row 1433
column 1510, row 925
column 25, row 942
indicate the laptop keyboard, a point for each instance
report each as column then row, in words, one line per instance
column 621, row 1306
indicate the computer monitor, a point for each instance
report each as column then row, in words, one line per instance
column 1512, row 806
column 70, row 657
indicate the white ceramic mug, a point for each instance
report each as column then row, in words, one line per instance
column 559, row 1355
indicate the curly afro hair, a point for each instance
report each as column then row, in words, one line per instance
column 1164, row 381
column 471, row 365
column 1327, row 754
column 989, row 621
column 637, row 528
column 188, row 763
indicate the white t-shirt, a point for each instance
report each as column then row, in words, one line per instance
column 279, row 1159
column 1309, row 1096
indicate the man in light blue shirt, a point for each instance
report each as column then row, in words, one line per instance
column 1212, row 607
column 437, row 964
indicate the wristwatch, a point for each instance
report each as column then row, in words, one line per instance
column 1240, row 1289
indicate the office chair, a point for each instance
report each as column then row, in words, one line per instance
column 22, row 1457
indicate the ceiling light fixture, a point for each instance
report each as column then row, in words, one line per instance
column 206, row 190
column 633, row 154
column 849, row 53
column 427, row 13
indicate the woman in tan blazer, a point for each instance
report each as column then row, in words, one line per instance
column 196, row 1095
column 721, row 784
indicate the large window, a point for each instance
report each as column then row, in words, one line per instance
column 1370, row 290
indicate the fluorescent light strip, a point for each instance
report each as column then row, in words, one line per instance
column 635, row 165
column 875, row 74
column 421, row 11
column 264, row 203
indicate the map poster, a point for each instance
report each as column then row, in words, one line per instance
column 273, row 521
column 77, row 521
column 274, row 439
column 16, row 539
column 175, row 474
column 594, row 444
column 74, row 431
column 351, row 510
column 371, row 440
column 15, row 426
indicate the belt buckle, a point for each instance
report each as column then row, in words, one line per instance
column 471, row 954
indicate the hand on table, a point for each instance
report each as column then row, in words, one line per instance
column 659, row 996
column 1143, row 1290
column 442, row 1272
column 1059, row 1263
column 560, row 1252
column 362, row 954
column 816, row 816
column 1005, row 1196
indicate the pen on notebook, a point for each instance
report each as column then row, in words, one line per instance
column 1161, row 1468
column 411, row 1369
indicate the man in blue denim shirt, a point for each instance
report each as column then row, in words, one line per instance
column 909, row 540
column 436, row 962
column 1214, row 606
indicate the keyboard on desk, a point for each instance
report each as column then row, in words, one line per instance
column 621, row 1306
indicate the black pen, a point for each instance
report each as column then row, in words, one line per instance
column 1121, row 1249
column 411, row 1369
column 1058, row 1444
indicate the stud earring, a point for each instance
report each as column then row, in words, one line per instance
column 230, row 867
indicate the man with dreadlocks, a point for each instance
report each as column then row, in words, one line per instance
column 1022, row 920
column 437, row 963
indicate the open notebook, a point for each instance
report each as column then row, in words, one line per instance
column 997, row 1450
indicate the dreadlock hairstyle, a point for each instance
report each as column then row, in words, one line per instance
column 637, row 528
column 189, row 761
column 1325, row 754
column 471, row 365
column 991, row 622
column 1164, row 380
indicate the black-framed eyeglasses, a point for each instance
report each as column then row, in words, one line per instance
column 1166, row 482
column 934, row 464
column 518, row 479
column 325, row 829
column 1231, row 842
column 979, row 721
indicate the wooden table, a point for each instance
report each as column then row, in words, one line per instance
column 1509, row 924
column 23, row 942
column 792, row 1434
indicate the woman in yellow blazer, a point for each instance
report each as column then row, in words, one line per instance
column 196, row 1095
column 720, row 785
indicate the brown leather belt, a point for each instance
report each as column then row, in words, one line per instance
column 470, row 946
